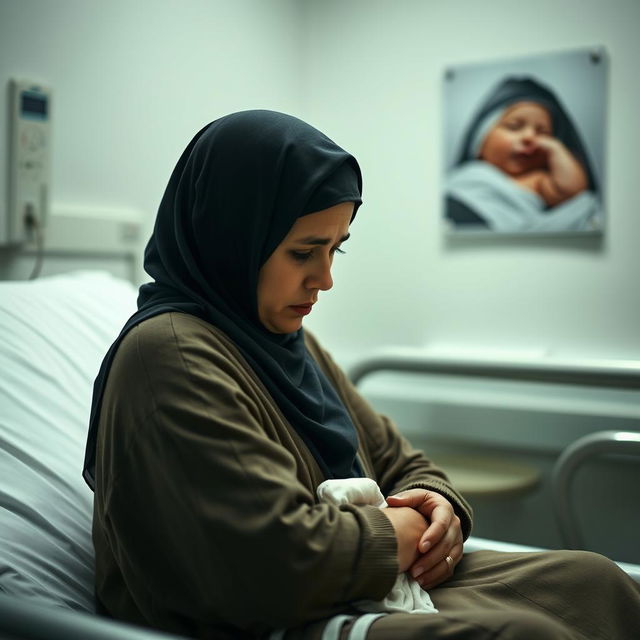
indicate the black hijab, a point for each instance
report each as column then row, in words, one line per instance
column 526, row 89
column 236, row 191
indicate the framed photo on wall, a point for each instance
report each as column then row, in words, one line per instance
column 524, row 145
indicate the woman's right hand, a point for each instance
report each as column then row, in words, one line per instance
column 409, row 525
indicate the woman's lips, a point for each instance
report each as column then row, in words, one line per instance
column 302, row 309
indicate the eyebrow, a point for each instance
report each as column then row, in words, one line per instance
column 320, row 241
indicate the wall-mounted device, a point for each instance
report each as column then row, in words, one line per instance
column 29, row 159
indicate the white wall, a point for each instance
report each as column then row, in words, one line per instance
column 134, row 80
column 374, row 77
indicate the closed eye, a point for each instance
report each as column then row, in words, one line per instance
column 513, row 125
column 303, row 256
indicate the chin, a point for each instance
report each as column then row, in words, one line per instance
column 283, row 328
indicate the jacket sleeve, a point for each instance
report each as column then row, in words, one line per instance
column 396, row 464
column 203, row 505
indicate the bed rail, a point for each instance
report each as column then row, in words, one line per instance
column 619, row 374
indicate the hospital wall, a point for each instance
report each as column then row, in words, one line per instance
column 134, row 80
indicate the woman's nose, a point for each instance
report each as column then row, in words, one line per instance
column 321, row 278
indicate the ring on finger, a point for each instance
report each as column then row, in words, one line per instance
column 449, row 561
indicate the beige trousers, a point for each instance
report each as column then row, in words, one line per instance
column 563, row 595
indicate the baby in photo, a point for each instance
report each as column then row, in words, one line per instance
column 523, row 166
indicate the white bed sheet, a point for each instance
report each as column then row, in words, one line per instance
column 55, row 332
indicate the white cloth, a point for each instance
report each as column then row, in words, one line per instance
column 509, row 208
column 406, row 596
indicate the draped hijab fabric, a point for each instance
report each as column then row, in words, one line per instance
column 236, row 191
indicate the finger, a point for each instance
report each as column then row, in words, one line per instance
column 429, row 560
column 435, row 574
column 434, row 556
column 442, row 571
column 442, row 518
column 546, row 143
column 412, row 498
column 431, row 536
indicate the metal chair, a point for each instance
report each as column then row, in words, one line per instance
column 588, row 447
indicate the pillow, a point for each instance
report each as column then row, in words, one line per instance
column 55, row 332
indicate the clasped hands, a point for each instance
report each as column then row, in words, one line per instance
column 428, row 534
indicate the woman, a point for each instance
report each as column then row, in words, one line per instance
column 216, row 417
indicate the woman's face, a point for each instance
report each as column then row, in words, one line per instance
column 300, row 267
column 512, row 143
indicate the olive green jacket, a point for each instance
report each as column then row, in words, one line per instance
column 206, row 520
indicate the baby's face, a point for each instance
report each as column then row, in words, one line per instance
column 511, row 145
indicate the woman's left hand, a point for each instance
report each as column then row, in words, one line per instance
column 441, row 544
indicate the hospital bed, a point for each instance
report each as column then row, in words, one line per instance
column 55, row 331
